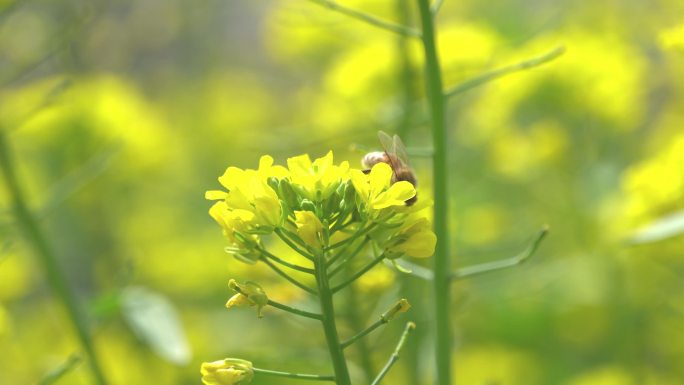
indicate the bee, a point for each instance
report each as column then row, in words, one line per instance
column 395, row 156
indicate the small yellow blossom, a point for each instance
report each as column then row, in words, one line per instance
column 229, row 371
column 377, row 190
column 317, row 180
column 248, row 294
column 309, row 228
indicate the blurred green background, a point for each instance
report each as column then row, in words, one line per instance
column 120, row 115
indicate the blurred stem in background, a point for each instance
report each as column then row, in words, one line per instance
column 46, row 256
column 356, row 323
column 406, row 76
column 442, row 258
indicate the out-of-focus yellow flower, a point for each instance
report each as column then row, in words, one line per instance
column 656, row 185
column 229, row 371
column 377, row 191
column 319, row 179
column 248, row 294
column 672, row 38
column 309, row 228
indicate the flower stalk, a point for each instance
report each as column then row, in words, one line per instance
column 442, row 258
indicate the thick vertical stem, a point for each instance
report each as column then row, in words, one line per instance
column 442, row 260
column 47, row 258
column 329, row 326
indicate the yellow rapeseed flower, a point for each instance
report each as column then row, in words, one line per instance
column 254, row 202
column 377, row 191
column 229, row 371
column 319, row 179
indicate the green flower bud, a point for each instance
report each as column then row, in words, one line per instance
column 307, row 205
column 287, row 194
column 402, row 306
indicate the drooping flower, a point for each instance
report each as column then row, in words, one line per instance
column 248, row 294
column 229, row 371
column 377, row 191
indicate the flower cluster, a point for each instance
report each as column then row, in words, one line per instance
column 316, row 201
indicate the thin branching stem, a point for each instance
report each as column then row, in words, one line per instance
column 364, row 332
column 294, row 310
column 436, row 6
column 503, row 71
column 349, row 257
column 367, row 18
column 395, row 355
column 359, row 273
column 60, row 371
column 285, row 263
column 283, row 234
column 354, row 236
column 299, row 376
column 48, row 259
column 288, row 278
column 469, row 271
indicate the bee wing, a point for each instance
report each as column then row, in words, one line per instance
column 400, row 151
column 388, row 145
column 386, row 142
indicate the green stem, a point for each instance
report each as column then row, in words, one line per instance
column 395, row 355
column 367, row 18
column 57, row 373
column 299, row 376
column 285, row 263
column 357, row 234
column 440, row 176
column 293, row 310
column 501, row 72
column 349, row 257
column 364, row 332
column 359, row 273
column 282, row 233
column 482, row 268
column 288, row 278
column 48, row 259
column 329, row 326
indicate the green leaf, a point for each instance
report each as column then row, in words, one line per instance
column 154, row 320
column 666, row 227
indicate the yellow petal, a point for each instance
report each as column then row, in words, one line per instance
column 380, row 177
column 215, row 195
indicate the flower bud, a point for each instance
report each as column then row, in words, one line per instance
column 229, row 371
column 402, row 306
